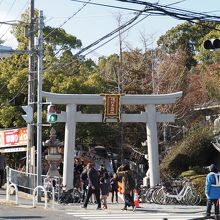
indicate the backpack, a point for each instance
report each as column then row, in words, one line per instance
column 131, row 181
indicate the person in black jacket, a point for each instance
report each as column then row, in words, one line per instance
column 84, row 183
column 114, row 187
column 104, row 186
column 93, row 185
column 2, row 169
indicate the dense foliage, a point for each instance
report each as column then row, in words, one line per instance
column 196, row 144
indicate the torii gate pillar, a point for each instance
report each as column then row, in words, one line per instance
column 152, row 143
column 69, row 145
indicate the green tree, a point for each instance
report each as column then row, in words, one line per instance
column 63, row 73
column 187, row 37
column 208, row 56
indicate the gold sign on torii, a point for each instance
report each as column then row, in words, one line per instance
column 112, row 107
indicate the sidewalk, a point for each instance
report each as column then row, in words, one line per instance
column 26, row 200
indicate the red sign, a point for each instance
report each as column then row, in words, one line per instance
column 13, row 137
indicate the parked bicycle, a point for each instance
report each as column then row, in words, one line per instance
column 53, row 187
column 70, row 196
column 171, row 192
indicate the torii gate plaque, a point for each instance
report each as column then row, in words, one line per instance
column 150, row 117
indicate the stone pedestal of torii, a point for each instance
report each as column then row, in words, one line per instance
column 150, row 117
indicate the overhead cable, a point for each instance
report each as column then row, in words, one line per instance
column 175, row 12
column 75, row 13
column 16, row 19
column 9, row 10
column 111, row 33
column 117, row 36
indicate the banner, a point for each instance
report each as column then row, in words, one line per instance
column 112, row 106
column 13, row 137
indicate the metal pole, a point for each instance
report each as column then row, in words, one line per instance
column 39, row 100
column 31, row 82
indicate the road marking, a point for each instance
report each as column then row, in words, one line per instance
column 97, row 215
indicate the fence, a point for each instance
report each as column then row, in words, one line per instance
column 27, row 182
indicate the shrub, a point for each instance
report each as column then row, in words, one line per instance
column 194, row 150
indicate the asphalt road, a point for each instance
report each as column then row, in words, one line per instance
column 19, row 212
column 25, row 210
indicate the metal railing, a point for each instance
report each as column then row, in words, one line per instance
column 27, row 182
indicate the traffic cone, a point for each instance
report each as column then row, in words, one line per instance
column 136, row 200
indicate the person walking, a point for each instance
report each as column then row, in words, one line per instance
column 2, row 169
column 93, row 186
column 127, row 187
column 114, row 187
column 84, row 183
column 213, row 178
column 104, row 186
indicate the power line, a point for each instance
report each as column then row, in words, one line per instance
column 180, row 14
column 109, row 6
column 149, row 14
column 122, row 8
column 117, row 7
column 16, row 18
column 117, row 36
column 111, row 33
column 151, row 10
column 9, row 11
column 24, row 84
column 75, row 13
column 104, row 37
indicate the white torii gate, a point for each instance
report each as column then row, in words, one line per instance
column 150, row 117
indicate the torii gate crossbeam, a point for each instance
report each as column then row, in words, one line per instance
column 150, row 117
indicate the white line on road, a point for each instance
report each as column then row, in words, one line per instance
column 130, row 216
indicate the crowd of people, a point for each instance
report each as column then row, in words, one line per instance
column 100, row 183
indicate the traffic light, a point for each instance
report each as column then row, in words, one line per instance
column 51, row 114
column 29, row 113
column 212, row 44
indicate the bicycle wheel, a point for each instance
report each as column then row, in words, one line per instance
column 158, row 196
column 76, row 196
column 148, row 195
column 191, row 197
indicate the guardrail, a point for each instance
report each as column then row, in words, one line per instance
column 26, row 182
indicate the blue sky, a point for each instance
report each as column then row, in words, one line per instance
column 92, row 22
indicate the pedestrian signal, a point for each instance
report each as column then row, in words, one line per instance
column 51, row 114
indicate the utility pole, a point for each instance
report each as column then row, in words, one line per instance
column 120, row 88
column 39, row 100
column 31, row 85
